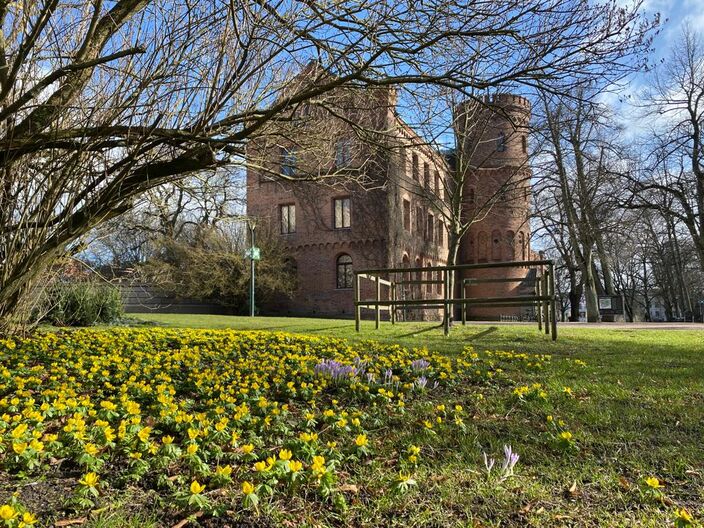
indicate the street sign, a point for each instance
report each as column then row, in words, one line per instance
column 253, row 253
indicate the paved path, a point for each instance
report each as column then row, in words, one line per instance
column 615, row 326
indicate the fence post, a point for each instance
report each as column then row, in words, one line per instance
column 539, row 306
column 546, row 304
column 392, row 309
column 357, row 309
column 446, row 307
column 553, row 303
column 464, row 303
column 378, row 300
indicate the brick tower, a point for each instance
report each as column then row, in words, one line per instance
column 493, row 153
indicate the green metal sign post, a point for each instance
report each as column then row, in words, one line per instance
column 253, row 254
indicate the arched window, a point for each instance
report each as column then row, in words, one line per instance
column 345, row 276
column 496, row 244
column 501, row 142
column 510, row 245
column 522, row 244
column 524, row 144
column 470, row 248
column 482, row 249
column 291, row 267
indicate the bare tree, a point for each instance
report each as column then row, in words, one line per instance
column 101, row 101
column 580, row 166
column 672, row 178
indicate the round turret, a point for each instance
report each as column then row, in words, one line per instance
column 492, row 138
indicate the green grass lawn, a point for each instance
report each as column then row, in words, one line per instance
column 632, row 400
column 638, row 411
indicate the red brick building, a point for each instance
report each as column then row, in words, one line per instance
column 381, row 196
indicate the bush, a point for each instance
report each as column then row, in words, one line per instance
column 82, row 304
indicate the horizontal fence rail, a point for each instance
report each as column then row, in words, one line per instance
column 543, row 299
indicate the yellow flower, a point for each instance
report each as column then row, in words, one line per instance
column 653, row 482
column 192, row 449
column 224, row 470
column 260, row 466
column 247, row 488
column 167, row 440
column 196, row 488
column 247, row 448
column 108, row 405
column 549, row 418
column 91, row 449
column 318, row 465
column 28, row 519
column 143, row 434
column 566, row 436
column 7, row 512
column 295, row 466
column 682, row 515
column 19, row 447
column 361, row 440
column 90, row 480
column 285, row 454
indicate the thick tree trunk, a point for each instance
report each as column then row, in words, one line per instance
column 590, row 294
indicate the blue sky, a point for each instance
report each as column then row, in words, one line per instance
column 673, row 14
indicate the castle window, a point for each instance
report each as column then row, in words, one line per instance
column 482, row 250
column 440, row 236
column 430, row 229
column 288, row 161
column 524, row 144
column 470, row 196
column 407, row 215
column 343, row 153
column 501, row 142
column 437, row 183
column 343, row 218
column 291, row 267
column 345, row 275
column 510, row 245
column 420, row 223
column 522, row 244
column 496, row 245
column 426, row 175
column 414, row 167
column 288, row 218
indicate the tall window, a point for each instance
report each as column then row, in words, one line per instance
column 496, row 244
column 288, row 161
column 420, row 223
column 343, row 153
column 430, row 229
column 288, row 218
column 482, row 250
column 426, row 175
column 501, row 142
column 345, row 276
column 437, row 183
column 510, row 245
column 407, row 215
column 441, row 234
column 524, row 144
column 414, row 166
column 342, row 213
